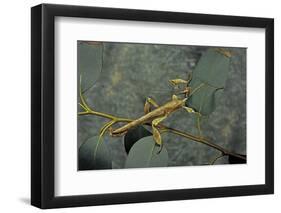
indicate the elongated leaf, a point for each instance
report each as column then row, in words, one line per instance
column 209, row 77
column 87, row 158
column 144, row 153
column 89, row 62
column 133, row 135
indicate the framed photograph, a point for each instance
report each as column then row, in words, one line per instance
column 139, row 106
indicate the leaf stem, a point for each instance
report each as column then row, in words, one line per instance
column 216, row 158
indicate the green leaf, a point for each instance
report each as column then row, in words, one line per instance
column 87, row 158
column 133, row 135
column 209, row 77
column 144, row 153
column 89, row 62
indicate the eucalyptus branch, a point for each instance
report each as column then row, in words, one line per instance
column 115, row 119
column 203, row 141
column 194, row 138
column 89, row 111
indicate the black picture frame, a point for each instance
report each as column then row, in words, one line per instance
column 43, row 102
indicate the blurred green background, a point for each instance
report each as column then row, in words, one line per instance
column 122, row 75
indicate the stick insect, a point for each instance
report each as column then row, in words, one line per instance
column 160, row 113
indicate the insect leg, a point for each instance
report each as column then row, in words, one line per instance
column 198, row 118
column 189, row 77
column 189, row 109
column 155, row 131
column 148, row 103
column 176, row 82
column 113, row 134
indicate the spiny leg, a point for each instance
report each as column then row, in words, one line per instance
column 189, row 109
column 185, row 92
column 186, row 89
column 147, row 106
column 189, row 77
column 176, row 82
column 198, row 118
column 111, row 132
column 156, row 133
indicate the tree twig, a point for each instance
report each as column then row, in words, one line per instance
column 115, row 119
